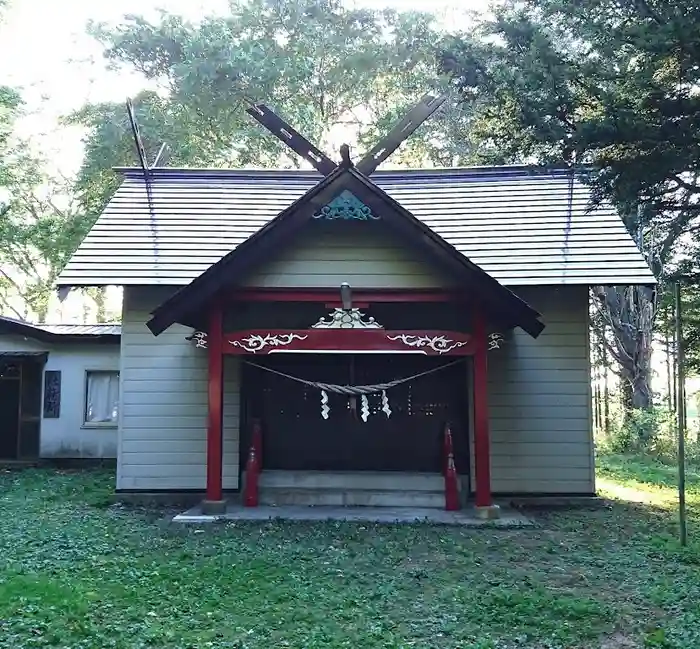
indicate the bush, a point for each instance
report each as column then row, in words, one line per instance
column 639, row 432
column 653, row 433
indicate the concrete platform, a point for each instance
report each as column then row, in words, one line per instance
column 509, row 518
column 390, row 489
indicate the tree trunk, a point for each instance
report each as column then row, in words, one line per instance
column 669, row 380
column 626, row 399
column 636, row 390
column 100, row 300
column 674, row 381
column 42, row 311
column 606, row 395
column 629, row 313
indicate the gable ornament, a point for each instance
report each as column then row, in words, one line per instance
column 346, row 207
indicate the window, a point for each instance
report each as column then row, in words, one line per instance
column 102, row 398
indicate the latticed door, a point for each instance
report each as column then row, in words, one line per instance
column 297, row 437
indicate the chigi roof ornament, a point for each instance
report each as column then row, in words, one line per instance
column 425, row 108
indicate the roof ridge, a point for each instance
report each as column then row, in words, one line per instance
column 476, row 170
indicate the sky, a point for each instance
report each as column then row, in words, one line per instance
column 45, row 51
column 46, row 54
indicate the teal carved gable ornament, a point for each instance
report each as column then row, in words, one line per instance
column 347, row 207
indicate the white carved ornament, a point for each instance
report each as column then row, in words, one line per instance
column 199, row 338
column 496, row 341
column 439, row 344
column 347, row 319
column 256, row 342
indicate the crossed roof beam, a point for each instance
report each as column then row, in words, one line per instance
column 422, row 111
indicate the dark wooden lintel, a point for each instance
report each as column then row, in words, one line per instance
column 360, row 298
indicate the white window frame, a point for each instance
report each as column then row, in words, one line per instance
column 99, row 424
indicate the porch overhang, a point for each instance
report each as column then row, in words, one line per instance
column 187, row 305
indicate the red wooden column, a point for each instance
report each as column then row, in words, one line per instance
column 214, row 502
column 482, row 446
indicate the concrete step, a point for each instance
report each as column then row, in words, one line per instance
column 351, row 498
column 349, row 480
column 352, row 489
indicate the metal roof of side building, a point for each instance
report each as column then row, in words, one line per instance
column 60, row 332
column 101, row 329
column 521, row 225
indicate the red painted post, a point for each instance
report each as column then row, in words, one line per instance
column 253, row 467
column 482, row 462
column 216, row 400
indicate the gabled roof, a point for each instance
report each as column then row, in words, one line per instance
column 61, row 333
column 522, row 225
column 186, row 305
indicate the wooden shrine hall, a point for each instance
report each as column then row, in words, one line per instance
column 356, row 378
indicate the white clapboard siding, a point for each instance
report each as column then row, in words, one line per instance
column 540, row 400
column 163, row 419
column 318, row 257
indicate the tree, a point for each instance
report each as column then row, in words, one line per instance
column 337, row 74
column 608, row 87
column 39, row 226
column 39, row 231
column 36, row 235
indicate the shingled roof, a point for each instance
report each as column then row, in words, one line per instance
column 522, row 226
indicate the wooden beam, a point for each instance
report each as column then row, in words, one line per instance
column 325, row 295
column 216, row 400
column 387, row 145
column 339, row 305
column 261, row 342
column 482, row 443
column 292, row 138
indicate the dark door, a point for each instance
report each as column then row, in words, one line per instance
column 30, row 408
column 10, row 390
column 296, row 436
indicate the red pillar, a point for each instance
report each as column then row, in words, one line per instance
column 216, row 400
column 482, row 450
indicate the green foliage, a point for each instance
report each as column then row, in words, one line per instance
column 35, row 237
column 79, row 574
column 638, row 432
column 333, row 72
column 610, row 88
column 38, row 235
column 666, row 322
column 651, row 433
column 605, row 84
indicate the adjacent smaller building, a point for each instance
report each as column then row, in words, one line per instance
column 59, row 390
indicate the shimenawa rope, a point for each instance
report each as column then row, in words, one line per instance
column 355, row 389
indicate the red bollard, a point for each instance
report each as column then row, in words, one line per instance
column 253, row 467
column 451, row 487
column 251, row 479
column 447, row 450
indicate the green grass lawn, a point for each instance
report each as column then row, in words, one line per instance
column 76, row 572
